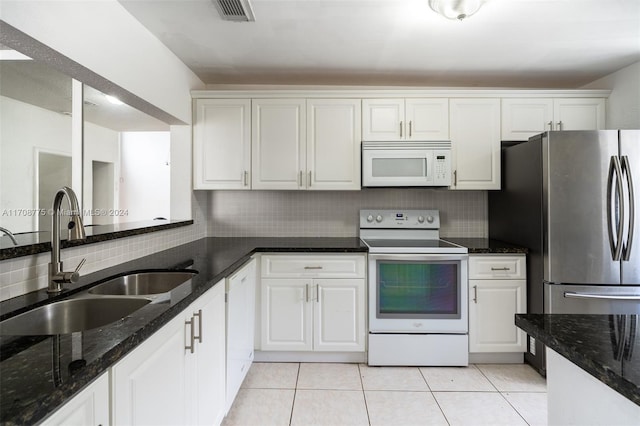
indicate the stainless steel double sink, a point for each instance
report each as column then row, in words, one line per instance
column 103, row 304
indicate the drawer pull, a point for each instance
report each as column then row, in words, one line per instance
column 475, row 293
column 313, row 267
column 501, row 269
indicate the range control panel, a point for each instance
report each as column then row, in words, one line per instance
column 399, row 219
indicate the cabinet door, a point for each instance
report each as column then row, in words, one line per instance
column 339, row 315
column 149, row 383
column 240, row 327
column 492, row 306
column 383, row 120
column 523, row 118
column 287, row 322
column 278, row 144
column 578, row 114
column 475, row 139
column 427, row 119
column 89, row 407
column 222, row 144
column 333, row 144
column 206, row 383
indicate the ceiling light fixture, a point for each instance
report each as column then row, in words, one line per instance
column 114, row 100
column 456, row 9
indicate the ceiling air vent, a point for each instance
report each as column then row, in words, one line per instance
column 235, row 10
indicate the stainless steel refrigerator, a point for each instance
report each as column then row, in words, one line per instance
column 569, row 197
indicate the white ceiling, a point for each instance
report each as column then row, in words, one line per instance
column 508, row 43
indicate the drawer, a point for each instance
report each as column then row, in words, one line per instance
column 507, row 267
column 321, row 266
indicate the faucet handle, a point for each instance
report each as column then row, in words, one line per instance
column 75, row 275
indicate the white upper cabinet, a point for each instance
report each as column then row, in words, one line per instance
column 222, row 144
column 475, row 140
column 405, row 119
column 333, row 144
column 578, row 114
column 278, row 144
column 523, row 118
column 526, row 117
column 306, row 144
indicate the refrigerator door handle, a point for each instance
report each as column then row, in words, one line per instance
column 626, row 170
column 616, row 245
column 575, row 295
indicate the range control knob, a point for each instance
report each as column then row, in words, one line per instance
column 378, row 218
column 370, row 218
column 430, row 219
column 420, row 219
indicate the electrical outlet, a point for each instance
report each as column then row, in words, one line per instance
column 532, row 345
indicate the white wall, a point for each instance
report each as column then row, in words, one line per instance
column 623, row 105
column 145, row 175
column 102, row 36
column 23, row 129
column 100, row 144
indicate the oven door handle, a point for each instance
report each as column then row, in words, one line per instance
column 419, row 257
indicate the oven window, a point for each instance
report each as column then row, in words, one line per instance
column 418, row 289
column 398, row 167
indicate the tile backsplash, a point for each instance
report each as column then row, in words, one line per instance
column 259, row 214
column 335, row 213
column 29, row 273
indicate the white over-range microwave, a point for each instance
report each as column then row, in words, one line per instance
column 406, row 163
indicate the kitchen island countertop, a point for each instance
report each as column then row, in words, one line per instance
column 605, row 346
column 33, row 384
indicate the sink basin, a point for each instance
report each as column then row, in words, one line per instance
column 69, row 316
column 143, row 283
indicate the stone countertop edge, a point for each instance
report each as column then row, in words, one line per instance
column 486, row 246
column 239, row 251
column 7, row 253
column 533, row 324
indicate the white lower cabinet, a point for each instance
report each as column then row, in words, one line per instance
column 178, row 375
column 89, row 407
column 241, row 308
column 497, row 291
column 319, row 310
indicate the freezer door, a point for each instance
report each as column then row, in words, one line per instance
column 576, row 167
column 630, row 160
column 583, row 299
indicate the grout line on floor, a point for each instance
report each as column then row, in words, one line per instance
column 295, row 392
column 364, row 395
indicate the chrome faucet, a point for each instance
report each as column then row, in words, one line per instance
column 9, row 234
column 57, row 277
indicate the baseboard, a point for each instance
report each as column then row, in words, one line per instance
column 496, row 358
column 292, row 356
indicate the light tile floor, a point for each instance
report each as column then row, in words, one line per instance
column 355, row 394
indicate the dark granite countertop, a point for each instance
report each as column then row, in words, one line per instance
column 487, row 246
column 595, row 344
column 30, row 243
column 40, row 373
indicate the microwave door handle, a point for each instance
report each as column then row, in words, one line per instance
column 626, row 170
column 616, row 245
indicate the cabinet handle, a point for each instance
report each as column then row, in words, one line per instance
column 455, row 178
column 500, row 269
column 306, row 292
column 199, row 315
column 300, row 178
column 309, row 178
column 401, row 129
column 410, row 128
column 559, row 125
column 313, row 267
column 550, row 124
column 192, row 338
column 475, row 294
column 318, row 293
column 245, row 177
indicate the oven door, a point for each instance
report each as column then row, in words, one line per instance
column 418, row 293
